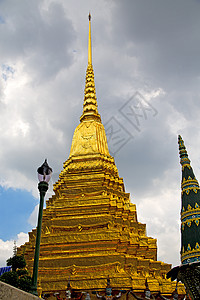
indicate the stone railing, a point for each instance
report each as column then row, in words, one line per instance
column 8, row 292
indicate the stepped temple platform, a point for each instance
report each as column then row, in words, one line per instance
column 90, row 228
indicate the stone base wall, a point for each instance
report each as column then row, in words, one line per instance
column 8, row 292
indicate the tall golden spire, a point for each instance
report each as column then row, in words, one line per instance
column 90, row 111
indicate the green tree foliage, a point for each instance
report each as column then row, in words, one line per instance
column 24, row 283
column 18, row 277
column 10, row 278
column 16, row 262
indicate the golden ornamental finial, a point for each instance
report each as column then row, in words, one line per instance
column 90, row 110
column 89, row 42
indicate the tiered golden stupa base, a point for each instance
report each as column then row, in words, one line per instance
column 90, row 231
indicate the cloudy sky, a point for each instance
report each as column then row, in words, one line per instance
column 147, row 75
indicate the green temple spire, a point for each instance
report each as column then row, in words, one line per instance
column 190, row 212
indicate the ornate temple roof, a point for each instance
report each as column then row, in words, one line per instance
column 190, row 211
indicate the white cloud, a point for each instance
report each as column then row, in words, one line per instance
column 6, row 247
column 160, row 212
column 33, row 217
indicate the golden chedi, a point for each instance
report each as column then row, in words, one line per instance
column 90, row 229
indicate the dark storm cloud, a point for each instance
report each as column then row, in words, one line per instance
column 164, row 36
column 157, row 45
column 152, row 151
column 41, row 36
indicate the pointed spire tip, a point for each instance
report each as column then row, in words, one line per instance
column 183, row 152
column 89, row 42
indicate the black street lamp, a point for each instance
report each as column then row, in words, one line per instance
column 44, row 176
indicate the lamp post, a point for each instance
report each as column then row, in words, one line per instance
column 44, row 176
